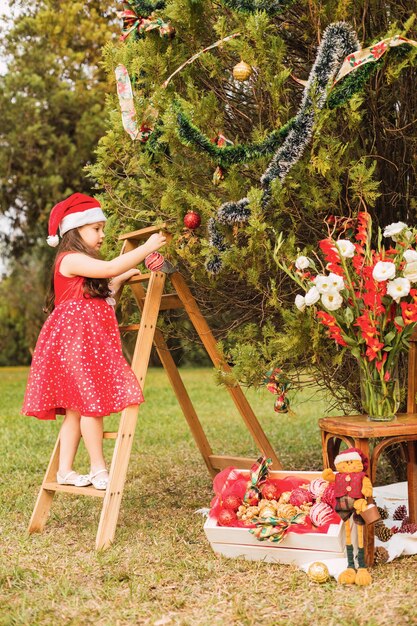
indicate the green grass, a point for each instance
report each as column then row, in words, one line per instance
column 161, row 569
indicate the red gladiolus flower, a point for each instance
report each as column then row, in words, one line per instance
column 334, row 331
column 358, row 260
column 379, row 365
column 331, row 254
column 413, row 294
column 363, row 224
column 409, row 312
column 374, row 346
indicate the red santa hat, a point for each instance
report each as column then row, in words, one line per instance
column 77, row 210
column 352, row 454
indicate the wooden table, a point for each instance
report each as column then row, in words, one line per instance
column 358, row 431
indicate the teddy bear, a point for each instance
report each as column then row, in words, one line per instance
column 352, row 488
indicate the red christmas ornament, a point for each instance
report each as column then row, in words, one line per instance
column 232, row 502
column 226, row 518
column 154, row 261
column 270, row 491
column 192, row 220
column 300, row 496
column 328, row 496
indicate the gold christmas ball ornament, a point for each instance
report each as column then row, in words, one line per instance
column 318, row 572
column 242, row 71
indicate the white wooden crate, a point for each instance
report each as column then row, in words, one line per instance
column 294, row 548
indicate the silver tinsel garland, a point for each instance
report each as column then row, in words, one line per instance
column 339, row 40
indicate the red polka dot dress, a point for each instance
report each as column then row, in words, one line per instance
column 78, row 361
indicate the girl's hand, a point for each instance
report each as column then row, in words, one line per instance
column 118, row 281
column 126, row 275
column 155, row 242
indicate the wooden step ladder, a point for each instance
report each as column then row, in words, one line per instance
column 150, row 302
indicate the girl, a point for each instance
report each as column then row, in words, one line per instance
column 78, row 369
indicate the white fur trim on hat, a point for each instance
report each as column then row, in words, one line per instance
column 52, row 240
column 347, row 456
column 82, row 218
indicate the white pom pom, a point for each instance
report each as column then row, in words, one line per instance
column 52, row 240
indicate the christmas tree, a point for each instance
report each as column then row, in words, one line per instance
column 240, row 116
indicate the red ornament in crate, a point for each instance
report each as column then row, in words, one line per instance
column 328, row 496
column 232, row 502
column 192, row 220
column 227, row 518
column 270, row 491
column 300, row 496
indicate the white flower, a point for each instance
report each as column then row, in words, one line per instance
column 300, row 302
column 410, row 271
column 398, row 288
column 383, row 270
column 332, row 301
column 302, row 263
column 312, row 296
column 346, row 248
column 336, row 281
column 394, row 229
column 322, row 283
column 329, row 284
column 410, row 255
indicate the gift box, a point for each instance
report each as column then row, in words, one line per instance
column 295, row 547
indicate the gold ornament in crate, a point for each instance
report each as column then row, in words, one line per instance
column 242, row 71
column 318, row 572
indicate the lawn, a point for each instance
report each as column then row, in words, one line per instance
column 161, row 570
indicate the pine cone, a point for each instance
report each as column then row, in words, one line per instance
column 381, row 555
column 408, row 528
column 382, row 532
column 383, row 512
column 400, row 512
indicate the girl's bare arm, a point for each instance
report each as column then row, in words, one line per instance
column 78, row 264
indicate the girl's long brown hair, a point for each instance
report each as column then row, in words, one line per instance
column 94, row 287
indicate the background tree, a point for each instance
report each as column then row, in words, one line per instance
column 52, row 100
column 52, row 114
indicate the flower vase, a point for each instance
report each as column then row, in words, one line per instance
column 380, row 398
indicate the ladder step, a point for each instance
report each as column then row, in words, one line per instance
column 110, row 435
column 79, row 491
column 124, row 329
column 170, row 301
column 143, row 233
column 139, row 278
